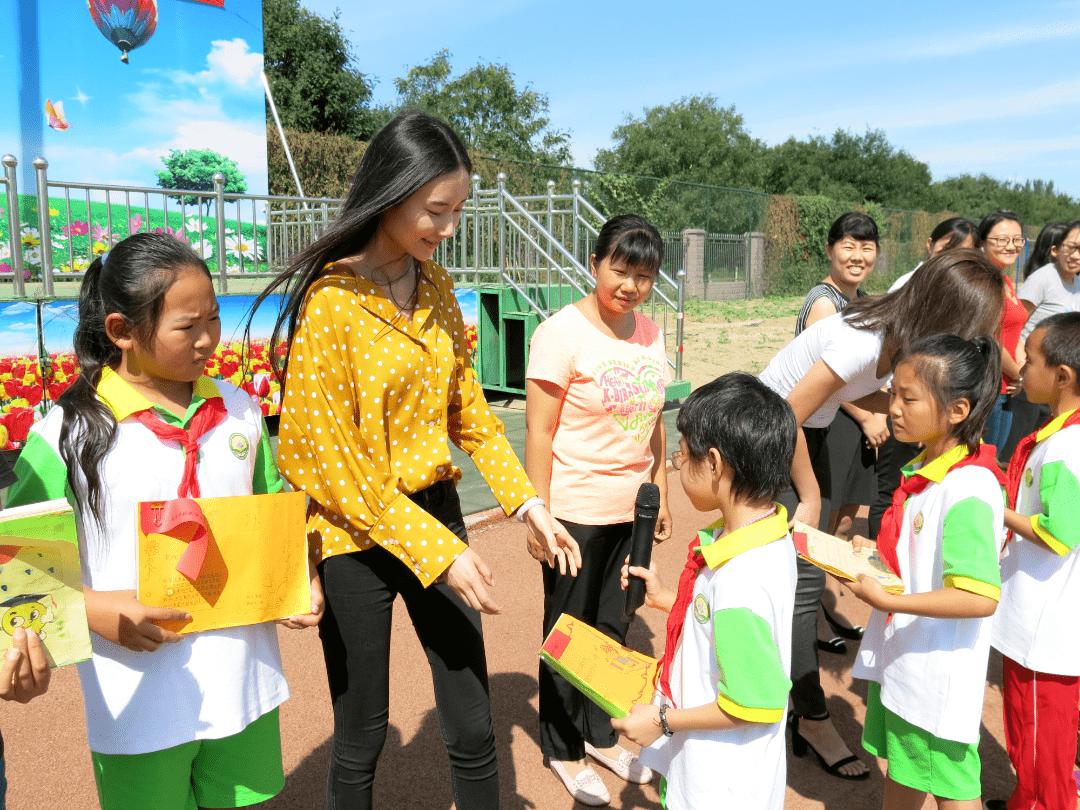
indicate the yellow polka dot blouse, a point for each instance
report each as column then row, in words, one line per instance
column 371, row 401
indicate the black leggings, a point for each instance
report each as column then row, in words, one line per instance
column 567, row 717
column 360, row 590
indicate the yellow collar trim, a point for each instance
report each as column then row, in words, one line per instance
column 937, row 469
column 1054, row 426
column 123, row 400
column 721, row 550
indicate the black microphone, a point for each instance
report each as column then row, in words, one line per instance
column 646, row 509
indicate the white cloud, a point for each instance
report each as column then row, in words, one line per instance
column 22, row 327
column 985, row 152
column 229, row 62
column 957, row 44
column 17, row 308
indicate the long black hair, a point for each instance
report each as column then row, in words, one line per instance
column 953, row 368
column 413, row 149
column 957, row 292
column 1052, row 235
column 130, row 280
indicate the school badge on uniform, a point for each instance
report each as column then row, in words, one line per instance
column 917, row 523
column 701, row 608
column 1028, row 476
column 238, row 443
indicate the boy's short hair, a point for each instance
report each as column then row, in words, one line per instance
column 751, row 426
column 1061, row 340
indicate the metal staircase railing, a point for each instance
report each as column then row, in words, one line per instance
column 538, row 246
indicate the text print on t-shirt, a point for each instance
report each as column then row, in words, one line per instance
column 633, row 397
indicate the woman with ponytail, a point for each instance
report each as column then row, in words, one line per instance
column 172, row 720
column 925, row 651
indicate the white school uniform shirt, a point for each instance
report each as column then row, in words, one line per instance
column 933, row 671
column 734, row 650
column 1036, row 623
column 212, row 684
column 852, row 353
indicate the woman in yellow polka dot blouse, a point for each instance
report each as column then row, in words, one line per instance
column 378, row 383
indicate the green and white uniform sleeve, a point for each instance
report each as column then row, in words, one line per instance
column 1059, row 492
column 266, row 479
column 753, row 685
column 969, row 549
column 42, row 474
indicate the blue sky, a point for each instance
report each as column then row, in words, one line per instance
column 991, row 87
column 194, row 85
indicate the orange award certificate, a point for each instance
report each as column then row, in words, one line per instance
column 251, row 564
column 614, row 677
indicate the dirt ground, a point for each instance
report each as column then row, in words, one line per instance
column 735, row 336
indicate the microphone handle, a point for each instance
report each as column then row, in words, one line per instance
column 641, row 544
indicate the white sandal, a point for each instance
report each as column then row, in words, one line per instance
column 626, row 767
column 588, row 788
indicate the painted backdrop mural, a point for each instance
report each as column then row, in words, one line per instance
column 191, row 81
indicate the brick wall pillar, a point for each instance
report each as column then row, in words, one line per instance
column 756, row 245
column 693, row 240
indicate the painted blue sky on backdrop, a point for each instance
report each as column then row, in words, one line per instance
column 989, row 87
column 194, row 85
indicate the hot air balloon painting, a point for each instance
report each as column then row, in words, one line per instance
column 55, row 114
column 127, row 24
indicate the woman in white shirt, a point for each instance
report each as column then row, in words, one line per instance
column 848, row 357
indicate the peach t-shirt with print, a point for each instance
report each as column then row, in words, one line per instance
column 613, row 392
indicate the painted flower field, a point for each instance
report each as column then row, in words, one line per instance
column 78, row 233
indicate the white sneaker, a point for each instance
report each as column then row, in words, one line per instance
column 588, row 788
column 626, row 767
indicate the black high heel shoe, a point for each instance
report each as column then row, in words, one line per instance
column 854, row 633
column 799, row 747
column 836, row 646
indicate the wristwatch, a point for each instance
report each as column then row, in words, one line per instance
column 663, row 720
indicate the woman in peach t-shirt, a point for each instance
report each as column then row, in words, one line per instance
column 595, row 390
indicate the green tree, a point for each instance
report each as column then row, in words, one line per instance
column 486, row 108
column 312, row 72
column 849, row 167
column 193, row 169
column 693, row 139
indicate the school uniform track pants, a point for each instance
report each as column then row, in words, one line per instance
column 1041, row 713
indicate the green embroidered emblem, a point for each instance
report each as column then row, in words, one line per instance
column 238, row 443
column 918, row 523
column 1028, row 476
column 701, row 608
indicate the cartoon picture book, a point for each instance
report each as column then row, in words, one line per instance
column 839, row 558
column 41, row 580
column 614, row 677
column 226, row 561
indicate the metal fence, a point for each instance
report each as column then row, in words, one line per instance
column 538, row 245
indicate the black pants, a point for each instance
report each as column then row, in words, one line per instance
column 567, row 717
column 360, row 590
column 807, row 696
column 1027, row 416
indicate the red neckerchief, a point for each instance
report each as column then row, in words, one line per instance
column 889, row 535
column 183, row 511
column 694, row 563
column 1023, row 452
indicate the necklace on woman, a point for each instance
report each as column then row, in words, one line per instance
column 758, row 518
column 388, row 285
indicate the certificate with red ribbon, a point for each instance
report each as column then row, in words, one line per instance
column 226, row 561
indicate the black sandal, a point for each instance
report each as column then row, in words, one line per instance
column 854, row 633
column 834, row 645
column 799, row 747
